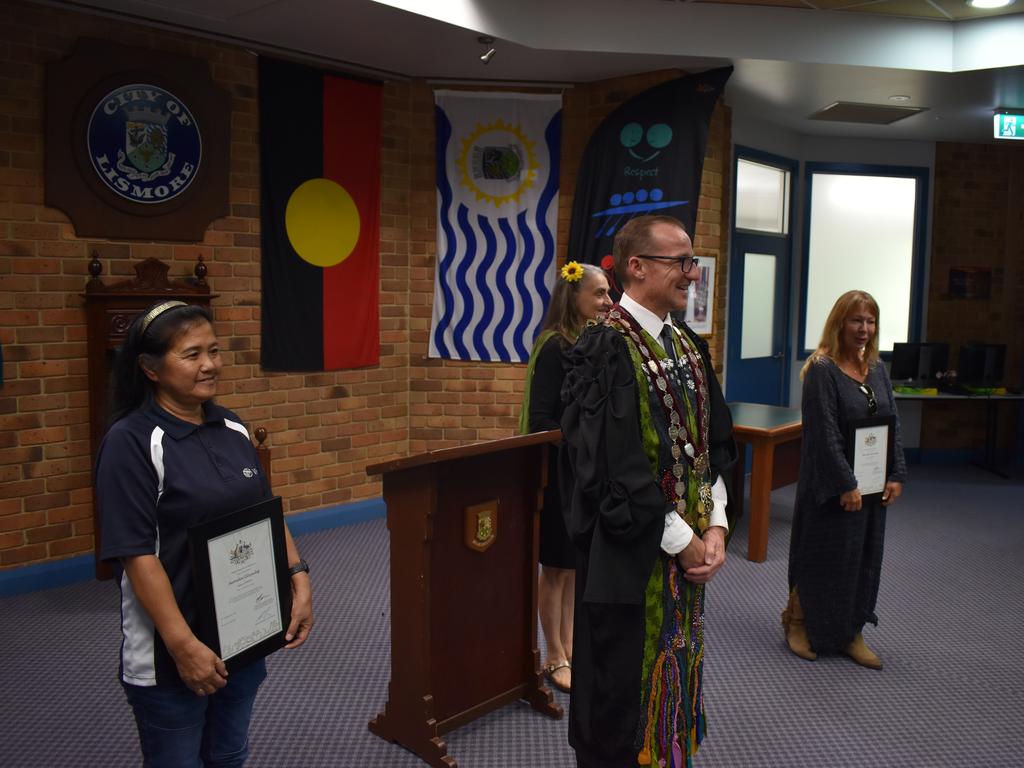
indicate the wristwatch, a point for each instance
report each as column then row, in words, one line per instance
column 300, row 567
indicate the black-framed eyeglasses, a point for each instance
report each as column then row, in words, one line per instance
column 686, row 263
column 870, row 395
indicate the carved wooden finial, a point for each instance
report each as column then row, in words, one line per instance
column 260, row 432
column 200, row 273
column 95, row 266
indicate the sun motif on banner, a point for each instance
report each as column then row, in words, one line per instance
column 497, row 162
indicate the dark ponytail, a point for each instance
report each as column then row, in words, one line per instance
column 148, row 338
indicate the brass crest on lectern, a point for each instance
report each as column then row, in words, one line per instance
column 481, row 526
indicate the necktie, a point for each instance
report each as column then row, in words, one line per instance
column 667, row 342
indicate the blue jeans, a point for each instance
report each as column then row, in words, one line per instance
column 178, row 729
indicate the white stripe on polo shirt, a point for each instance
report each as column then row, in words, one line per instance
column 237, row 427
column 138, row 655
column 137, row 650
column 156, row 455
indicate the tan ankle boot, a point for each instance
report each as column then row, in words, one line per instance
column 860, row 653
column 796, row 634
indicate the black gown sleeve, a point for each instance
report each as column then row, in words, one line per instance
column 546, row 387
column 616, row 511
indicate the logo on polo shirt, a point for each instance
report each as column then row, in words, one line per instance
column 250, row 472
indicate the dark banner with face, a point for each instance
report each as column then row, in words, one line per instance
column 645, row 158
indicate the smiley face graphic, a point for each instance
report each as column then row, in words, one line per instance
column 658, row 136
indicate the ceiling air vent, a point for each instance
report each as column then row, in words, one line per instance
column 872, row 114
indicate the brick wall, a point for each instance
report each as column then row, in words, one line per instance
column 978, row 221
column 324, row 428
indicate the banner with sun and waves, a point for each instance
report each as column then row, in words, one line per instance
column 497, row 195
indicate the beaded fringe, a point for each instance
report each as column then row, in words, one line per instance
column 672, row 713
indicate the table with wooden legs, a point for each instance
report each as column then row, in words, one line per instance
column 774, row 434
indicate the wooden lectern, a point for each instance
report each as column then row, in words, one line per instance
column 464, row 529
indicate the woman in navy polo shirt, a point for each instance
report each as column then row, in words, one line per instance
column 173, row 458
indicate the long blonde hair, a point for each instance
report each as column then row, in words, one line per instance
column 832, row 335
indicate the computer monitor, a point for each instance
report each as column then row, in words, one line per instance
column 918, row 361
column 981, row 365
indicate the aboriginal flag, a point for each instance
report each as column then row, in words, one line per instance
column 320, row 224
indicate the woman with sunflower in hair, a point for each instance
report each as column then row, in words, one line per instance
column 581, row 294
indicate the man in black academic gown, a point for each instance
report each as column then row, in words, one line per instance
column 648, row 438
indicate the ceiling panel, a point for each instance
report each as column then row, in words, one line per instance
column 765, row 3
column 917, row 9
column 941, row 10
column 787, row 64
column 870, row 114
column 959, row 9
column 221, row 10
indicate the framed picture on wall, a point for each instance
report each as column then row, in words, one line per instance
column 700, row 303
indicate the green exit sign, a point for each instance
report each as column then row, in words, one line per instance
column 1009, row 126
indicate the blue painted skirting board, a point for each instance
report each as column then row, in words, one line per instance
column 71, row 570
column 334, row 517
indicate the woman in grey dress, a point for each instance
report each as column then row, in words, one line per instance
column 835, row 552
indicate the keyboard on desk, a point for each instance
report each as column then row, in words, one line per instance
column 952, row 388
column 917, row 383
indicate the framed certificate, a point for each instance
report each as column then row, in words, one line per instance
column 243, row 591
column 869, row 446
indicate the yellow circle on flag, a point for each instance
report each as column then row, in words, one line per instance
column 322, row 222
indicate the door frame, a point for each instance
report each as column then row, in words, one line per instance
column 734, row 319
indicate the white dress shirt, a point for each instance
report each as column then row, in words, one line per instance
column 678, row 534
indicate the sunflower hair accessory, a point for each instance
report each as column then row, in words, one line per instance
column 572, row 272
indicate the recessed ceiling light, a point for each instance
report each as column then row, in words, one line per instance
column 989, row 4
column 899, row 97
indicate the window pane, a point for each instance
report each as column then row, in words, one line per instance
column 758, row 305
column 762, row 197
column 861, row 236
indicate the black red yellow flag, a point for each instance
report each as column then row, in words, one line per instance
column 320, row 138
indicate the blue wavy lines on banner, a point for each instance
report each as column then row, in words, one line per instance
column 494, row 273
column 466, row 296
column 525, row 263
column 501, row 284
column 444, row 190
column 484, row 291
column 553, row 139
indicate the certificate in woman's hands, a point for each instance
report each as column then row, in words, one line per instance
column 869, row 451
column 242, row 587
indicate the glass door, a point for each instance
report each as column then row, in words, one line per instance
column 758, row 357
